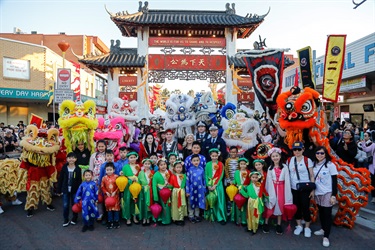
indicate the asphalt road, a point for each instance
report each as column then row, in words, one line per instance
column 45, row 231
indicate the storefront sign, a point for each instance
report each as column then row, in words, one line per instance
column 187, row 42
column 340, row 98
column 186, row 62
column 16, row 69
column 356, row 83
column 24, row 94
column 127, row 81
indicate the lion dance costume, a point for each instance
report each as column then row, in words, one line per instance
column 78, row 123
column 38, row 160
column 300, row 110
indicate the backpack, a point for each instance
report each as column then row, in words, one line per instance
column 305, row 159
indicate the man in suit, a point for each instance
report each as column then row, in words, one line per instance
column 213, row 141
column 201, row 135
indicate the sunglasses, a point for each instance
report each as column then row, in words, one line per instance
column 297, row 149
column 319, row 153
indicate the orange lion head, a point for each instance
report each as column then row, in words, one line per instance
column 298, row 110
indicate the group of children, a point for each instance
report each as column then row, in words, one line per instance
column 192, row 188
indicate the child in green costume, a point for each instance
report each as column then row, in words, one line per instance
column 131, row 171
column 214, row 173
column 145, row 197
column 160, row 181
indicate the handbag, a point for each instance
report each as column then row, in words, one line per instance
column 305, row 186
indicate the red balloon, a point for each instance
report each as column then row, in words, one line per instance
column 100, row 198
column 239, row 200
column 110, row 202
column 155, row 210
column 165, row 194
column 289, row 211
column 77, row 208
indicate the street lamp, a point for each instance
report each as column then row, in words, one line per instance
column 64, row 46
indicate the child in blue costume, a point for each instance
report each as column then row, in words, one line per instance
column 195, row 189
column 88, row 194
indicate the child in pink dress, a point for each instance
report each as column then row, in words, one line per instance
column 278, row 189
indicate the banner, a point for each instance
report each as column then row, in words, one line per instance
column 333, row 66
column 266, row 71
column 305, row 66
column 76, row 83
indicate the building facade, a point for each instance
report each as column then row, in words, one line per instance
column 27, row 78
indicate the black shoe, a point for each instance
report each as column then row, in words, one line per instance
column 91, row 228
column 192, row 220
column 104, row 222
column 66, row 223
column 30, row 212
column 266, row 228
column 253, row 233
column 279, row 230
column 135, row 222
column 223, row 222
column 109, row 225
column 198, row 219
column 116, row 225
column 182, row 223
column 84, row 228
column 50, row 208
column 129, row 224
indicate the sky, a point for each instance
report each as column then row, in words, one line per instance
column 292, row 24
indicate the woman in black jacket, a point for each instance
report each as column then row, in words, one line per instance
column 346, row 148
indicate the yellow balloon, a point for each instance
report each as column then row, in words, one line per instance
column 231, row 190
column 121, row 182
column 135, row 189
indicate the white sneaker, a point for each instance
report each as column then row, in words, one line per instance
column 298, row 230
column 1, row 210
column 325, row 242
column 319, row 232
column 307, row 232
column 16, row 202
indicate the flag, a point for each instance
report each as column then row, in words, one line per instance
column 296, row 80
column 76, row 83
column 333, row 66
column 266, row 71
column 36, row 120
column 305, row 66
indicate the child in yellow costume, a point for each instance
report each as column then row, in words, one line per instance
column 255, row 205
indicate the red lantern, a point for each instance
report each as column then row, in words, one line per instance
column 165, row 194
column 155, row 210
column 100, row 198
column 110, row 202
column 77, row 208
column 289, row 211
column 64, row 46
column 239, row 200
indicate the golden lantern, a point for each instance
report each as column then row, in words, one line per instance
column 135, row 189
column 231, row 190
column 121, row 183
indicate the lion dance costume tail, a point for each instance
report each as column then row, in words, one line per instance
column 300, row 110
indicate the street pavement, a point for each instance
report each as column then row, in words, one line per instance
column 45, row 231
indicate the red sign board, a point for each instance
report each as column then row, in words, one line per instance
column 131, row 95
column 186, row 62
column 127, row 81
column 64, row 75
column 187, row 42
column 246, row 97
column 246, row 82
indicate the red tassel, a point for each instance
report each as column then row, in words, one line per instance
column 179, row 202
